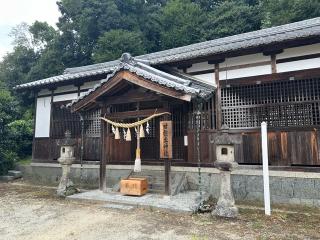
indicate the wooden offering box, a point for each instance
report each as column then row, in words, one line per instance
column 134, row 186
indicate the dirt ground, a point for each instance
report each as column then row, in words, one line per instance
column 33, row 212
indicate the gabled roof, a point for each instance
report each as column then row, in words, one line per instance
column 186, row 85
column 299, row 30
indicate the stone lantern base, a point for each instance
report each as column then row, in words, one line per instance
column 66, row 186
column 226, row 205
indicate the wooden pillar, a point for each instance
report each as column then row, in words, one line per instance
column 273, row 63
column 103, row 157
column 218, row 97
column 34, row 123
column 167, row 161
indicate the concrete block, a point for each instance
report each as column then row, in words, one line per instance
column 295, row 201
column 239, row 183
column 304, row 188
column 215, row 185
column 254, row 184
column 287, row 187
column 278, row 199
column 192, row 181
column 275, row 186
column 254, row 196
column 317, row 188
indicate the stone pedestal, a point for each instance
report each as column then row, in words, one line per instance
column 66, row 186
column 226, row 205
column 66, row 159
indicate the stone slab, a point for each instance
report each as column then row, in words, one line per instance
column 183, row 202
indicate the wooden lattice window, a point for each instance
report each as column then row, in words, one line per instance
column 92, row 123
column 63, row 120
column 281, row 104
column 206, row 116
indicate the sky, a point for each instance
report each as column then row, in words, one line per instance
column 13, row 12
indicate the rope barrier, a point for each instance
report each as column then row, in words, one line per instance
column 135, row 124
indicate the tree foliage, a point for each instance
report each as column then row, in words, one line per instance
column 277, row 12
column 112, row 44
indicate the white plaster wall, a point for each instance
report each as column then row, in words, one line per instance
column 208, row 78
column 298, row 65
column 245, row 72
column 65, row 97
column 200, row 67
column 299, row 51
column 246, row 59
column 43, row 112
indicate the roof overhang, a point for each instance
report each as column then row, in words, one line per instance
column 125, row 75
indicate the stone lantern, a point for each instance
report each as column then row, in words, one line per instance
column 225, row 162
column 66, row 186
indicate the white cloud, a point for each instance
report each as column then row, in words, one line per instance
column 13, row 12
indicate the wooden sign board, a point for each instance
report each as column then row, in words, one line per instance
column 166, row 139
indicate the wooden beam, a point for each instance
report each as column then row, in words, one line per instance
column 91, row 97
column 218, row 98
column 103, row 158
column 34, row 124
column 301, row 74
column 131, row 96
column 155, row 87
column 272, row 52
column 273, row 63
column 51, row 126
column 216, row 61
column 135, row 114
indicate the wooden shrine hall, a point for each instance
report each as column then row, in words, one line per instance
column 270, row 75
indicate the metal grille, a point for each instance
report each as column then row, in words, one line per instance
column 281, row 104
column 92, row 123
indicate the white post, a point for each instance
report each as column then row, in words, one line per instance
column 266, row 188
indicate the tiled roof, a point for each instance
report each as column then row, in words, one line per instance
column 298, row 30
column 179, row 83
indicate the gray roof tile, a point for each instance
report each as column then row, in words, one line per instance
column 194, row 87
column 298, row 30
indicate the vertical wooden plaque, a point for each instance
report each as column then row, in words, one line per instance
column 166, row 139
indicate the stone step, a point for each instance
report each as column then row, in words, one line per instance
column 6, row 178
column 15, row 174
column 118, row 206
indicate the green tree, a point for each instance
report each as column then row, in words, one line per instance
column 277, row 12
column 16, row 65
column 182, row 23
column 115, row 42
column 232, row 17
column 8, row 107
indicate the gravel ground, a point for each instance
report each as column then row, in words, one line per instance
column 33, row 212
